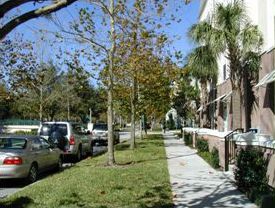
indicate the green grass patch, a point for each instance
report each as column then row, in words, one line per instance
column 212, row 158
column 140, row 179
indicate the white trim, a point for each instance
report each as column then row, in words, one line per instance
column 227, row 96
column 268, row 78
column 270, row 49
column 200, row 108
column 217, row 99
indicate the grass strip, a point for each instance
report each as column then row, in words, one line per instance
column 140, row 179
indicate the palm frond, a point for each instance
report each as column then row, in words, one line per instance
column 251, row 38
column 203, row 63
column 231, row 17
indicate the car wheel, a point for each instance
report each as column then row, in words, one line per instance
column 59, row 164
column 78, row 154
column 92, row 150
column 33, row 174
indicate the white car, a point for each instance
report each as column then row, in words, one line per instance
column 100, row 134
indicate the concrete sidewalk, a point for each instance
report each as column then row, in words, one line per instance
column 197, row 184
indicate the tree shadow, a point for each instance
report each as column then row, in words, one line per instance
column 20, row 202
column 157, row 197
column 122, row 147
column 200, row 195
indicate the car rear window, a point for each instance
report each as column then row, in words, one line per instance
column 78, row 128
column 13, row 143
column 100, row 127
column 48, row 129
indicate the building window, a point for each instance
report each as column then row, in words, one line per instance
column 224, row 72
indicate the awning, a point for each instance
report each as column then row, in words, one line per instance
column 270, row 77
column 217, row 99
column 200, row 109
column 227, row 96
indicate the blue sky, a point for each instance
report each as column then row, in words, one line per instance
column 188, row 14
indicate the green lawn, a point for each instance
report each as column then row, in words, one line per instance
column 141, row 179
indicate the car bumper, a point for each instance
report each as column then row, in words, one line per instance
column 14, row 171
column 70, row 150
column 100, row 139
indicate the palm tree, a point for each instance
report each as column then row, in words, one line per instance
column 203, row 65
column 230, row 32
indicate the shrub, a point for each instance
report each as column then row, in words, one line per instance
column 32, row 132
column 212, row 158
column 215, row 161
column 202, row 145
column 171, row 123
column 206, row 156
column 188, row 139
column 250, row 173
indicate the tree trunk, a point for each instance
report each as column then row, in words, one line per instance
column 241, row 109
column 68, row 109
column 236, row 82
column 134, row 87
column 111, row 157
column 245, row 103
column 41, row 104
column 140, row 125
column 133, row 113
column 203, row 103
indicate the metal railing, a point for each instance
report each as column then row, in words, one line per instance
column 230, row 147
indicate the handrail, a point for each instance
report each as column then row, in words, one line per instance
column 229, row 146
column 234, row 131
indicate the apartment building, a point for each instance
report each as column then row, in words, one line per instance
column 227, row 110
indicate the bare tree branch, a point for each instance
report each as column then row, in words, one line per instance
column 11, row 4
column 87, row 40
column 103, row 6
column 7, row 28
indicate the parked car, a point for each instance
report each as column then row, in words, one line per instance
column 27, row 156
column 71, row 138
column 100, row 134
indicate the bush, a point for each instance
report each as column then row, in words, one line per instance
column 202, row 145
column 188, row 139
column 215, row 161
column 171, row 123
column 212, row 158
column 32, row 132
column 250, row 173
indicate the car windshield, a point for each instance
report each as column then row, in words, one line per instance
column 100, row 127
column 12, row 143
column 48, row 129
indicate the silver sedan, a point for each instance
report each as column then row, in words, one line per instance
column 26, row 157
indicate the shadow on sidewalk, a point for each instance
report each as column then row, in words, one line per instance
column 180, row 156
column 224, row 195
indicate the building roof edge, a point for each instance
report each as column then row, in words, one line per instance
column 202, row 7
